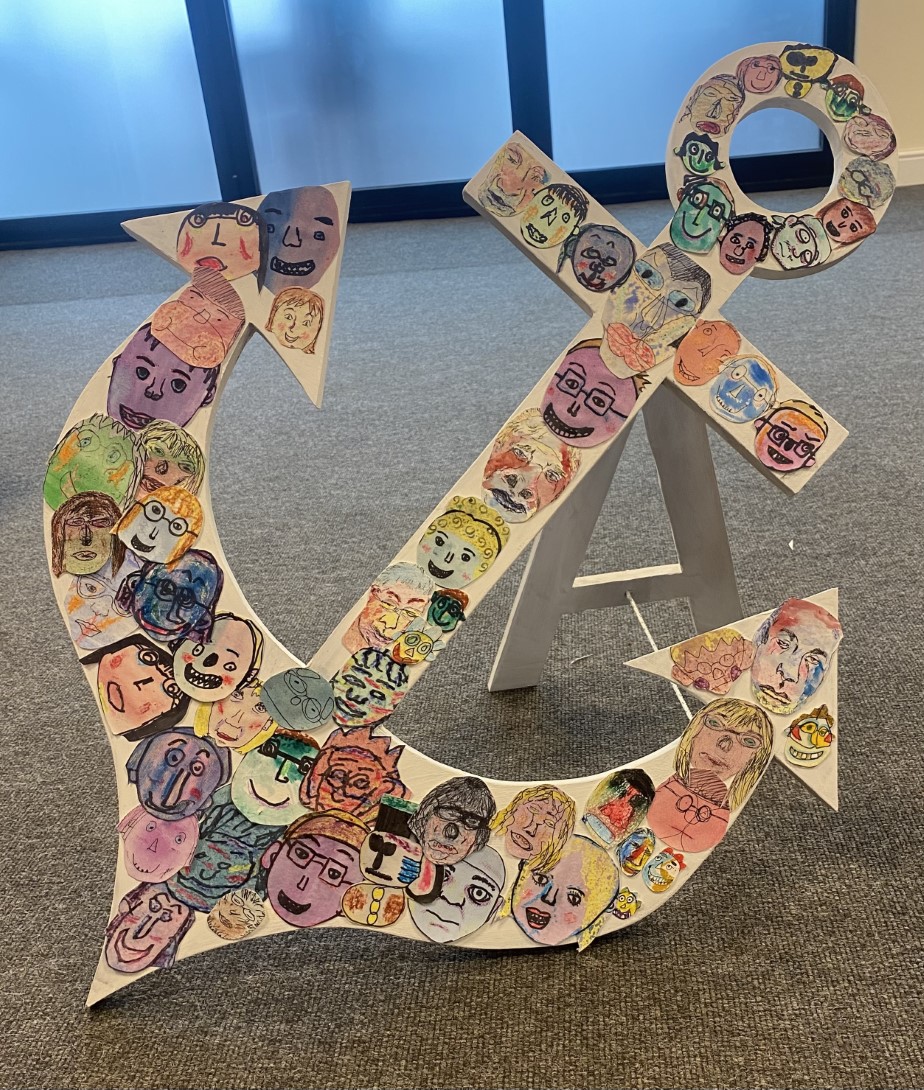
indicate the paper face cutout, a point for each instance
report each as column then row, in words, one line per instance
column 618, row 805
column 758, row 75
column 147, row 930
column 470, row 894
column 712, row 662
column 537, row 822
column 799, row 242
column 154, row 849
column 843, row 98
column 635, row 851
column 201, row 324
column 353, row 772
column 705, row 208
column 265, row 785
column 793, row 650
column 149, row 382
column 699, row 155
column 212, row 668
column 93, row 614
column 585, row 403
column 714, row 105
column 744, row 243
column 447, row 609
column 398, row 597
column 809, row 738
column 554, row 906
column 626, row 904
column 847, row 222
column 175, row 773
column 462, row 543
column 372, row 905
column 600, row 255
column 721, row 755
column 295, row 319
column 413, row 646
column 744, row 389
column 175, row 601
column 303, row 228
column 552, row 214
column 241, row 720
column 659, row 875
column 704, row 351
column 225, row 238
column 368, row 688
column 454, row 819
column 867, row 182
column 528, row 467
column 654, row 308
column 299, row 698
column 308, row 871
column 237, row 915
column 136, row 687
column 163, row 527
column 81, row 538
column 96, row 455
column 789, row 436
column 172, row 458
column 805, row 65
column 515, row 179
column 870, row 136
column 390, row 856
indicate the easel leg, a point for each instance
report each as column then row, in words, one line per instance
column 705, row 575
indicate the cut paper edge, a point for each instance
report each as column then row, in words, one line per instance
column 821, row 780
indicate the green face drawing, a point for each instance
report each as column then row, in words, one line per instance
column 700, row 218
column 843, row 98
column 97, row 455
column 699, row 154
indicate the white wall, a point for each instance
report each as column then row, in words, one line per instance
column 890, row 50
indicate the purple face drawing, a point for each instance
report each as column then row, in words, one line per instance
column 146, row 930
column 586, row 404
column 176, row 773
column 303, row 236
column 154, row 849
column 150, row 383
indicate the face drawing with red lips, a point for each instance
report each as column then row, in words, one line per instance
column 222, row 237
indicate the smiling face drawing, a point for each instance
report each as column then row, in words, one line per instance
column 146, row 930
column 461, row 544
column 745, row 243
column 266, row 783
column 745, row 389
column 585, row 404
column 211, row 669
column 238, row 718
column 303, row 236
column 163, row 527
column 222, row 237
column 704, row 209
column 790, row 436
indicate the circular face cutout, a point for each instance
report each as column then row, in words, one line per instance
column 718, row 222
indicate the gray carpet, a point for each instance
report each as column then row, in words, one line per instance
column 795, row 959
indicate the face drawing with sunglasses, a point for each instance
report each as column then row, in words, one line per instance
column 163, row 526
column 308, row 871
column 265, row 785
column 353, row 773
column 585, row 404
column 790, row 436
column 399, row 596
column 176, row 601
column 527, row 469
column 648, row 314
column 454, row 819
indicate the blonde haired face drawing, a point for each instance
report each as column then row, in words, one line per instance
column 537, row 821
column 462, row 543
column 238, row 721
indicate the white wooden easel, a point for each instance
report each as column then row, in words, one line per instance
column 704, row 573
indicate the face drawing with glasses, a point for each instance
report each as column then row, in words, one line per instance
column 790, row 436
column 454, row 819
column 867, row 182
column 307, row 872
column 354, row 771
column 265, row 786
column 648, row 314
column 398, row 597
column 704, row 210
column 299, row 698
column 527, row 468
column 176, row 601
column 94, row 618
column 585, row 404
column 163, row 526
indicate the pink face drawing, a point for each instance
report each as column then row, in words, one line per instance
column 869, row 135
column 744, row 243
column 200, row 325
column 308, row 875
column 759, row 74
column 153, row 849
column 790, row 436
column 146, row 930
column 585, row 403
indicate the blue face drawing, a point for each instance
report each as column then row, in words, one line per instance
column 743, row 390
column 176, row 773
column 299, row 698
column 176, row 601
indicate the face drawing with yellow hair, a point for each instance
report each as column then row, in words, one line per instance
column 461, row 544
column 537, row 821
column 163, row 526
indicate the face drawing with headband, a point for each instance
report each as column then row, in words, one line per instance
column 265, row 786
column 528, row 467
column 454, row 819
column 462, row 543
column 585, row 403
column 652, row 310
